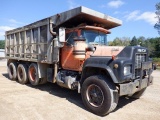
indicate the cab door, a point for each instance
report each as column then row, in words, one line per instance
column 68, row 60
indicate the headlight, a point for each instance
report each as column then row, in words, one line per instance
column 127, row 70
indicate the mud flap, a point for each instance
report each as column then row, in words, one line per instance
column 50, row 74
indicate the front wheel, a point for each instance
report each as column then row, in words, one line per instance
column 99, row 95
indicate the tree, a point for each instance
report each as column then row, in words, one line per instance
column 124, row 41
column 134, row 41
column 157, row 47
column 141, row 41
column 116, row 42
column 2, row 44
column 153, row 45
column 157, row 25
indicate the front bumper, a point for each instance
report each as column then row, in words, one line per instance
column 133, row 87
column 138, row 84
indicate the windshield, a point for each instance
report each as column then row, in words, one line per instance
column 94, row 37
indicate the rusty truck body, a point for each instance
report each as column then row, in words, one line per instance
column 70, row 49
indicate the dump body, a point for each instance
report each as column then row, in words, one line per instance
column 34, row 42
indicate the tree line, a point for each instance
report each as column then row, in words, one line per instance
column 153, row 44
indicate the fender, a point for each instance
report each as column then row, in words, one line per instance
column 97, row 66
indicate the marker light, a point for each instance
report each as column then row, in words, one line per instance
column 113, row 57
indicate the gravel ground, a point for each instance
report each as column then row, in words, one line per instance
column 51, row 102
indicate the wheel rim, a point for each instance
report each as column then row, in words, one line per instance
column 94, row 95
column 32, row 73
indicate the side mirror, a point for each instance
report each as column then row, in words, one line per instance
column 61, row 34
column 90, row 48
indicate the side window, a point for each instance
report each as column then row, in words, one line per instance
column 69, row 38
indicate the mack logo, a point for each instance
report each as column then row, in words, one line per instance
column 141, row 50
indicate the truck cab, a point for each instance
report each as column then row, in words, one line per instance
column 83, row 42
column 125, row 70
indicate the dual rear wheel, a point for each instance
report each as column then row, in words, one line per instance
column 33, row 74
column 24, row 73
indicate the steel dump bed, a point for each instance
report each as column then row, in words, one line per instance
column 34, row 42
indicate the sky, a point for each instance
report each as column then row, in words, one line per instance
column 138, row 16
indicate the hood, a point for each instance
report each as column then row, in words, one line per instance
column 107, row 50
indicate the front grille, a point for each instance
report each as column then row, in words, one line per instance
column 139, row 58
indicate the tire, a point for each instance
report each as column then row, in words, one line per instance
column 22, row 74
column 99, row 95
column 138, row 94
column 12, row 71
column 33, row 74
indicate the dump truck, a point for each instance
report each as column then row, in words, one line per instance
column 71, row 50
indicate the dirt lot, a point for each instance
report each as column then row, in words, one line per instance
column 51, row 102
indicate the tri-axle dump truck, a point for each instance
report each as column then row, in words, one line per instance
column 70, row 49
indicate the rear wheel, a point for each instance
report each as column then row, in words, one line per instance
column 33, row 74
column 22, row 73
column 12, row 71
column 99, row 95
